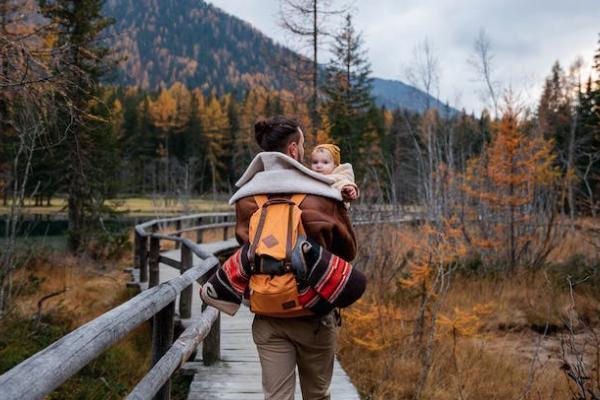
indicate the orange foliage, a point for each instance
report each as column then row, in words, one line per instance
column 510, row 192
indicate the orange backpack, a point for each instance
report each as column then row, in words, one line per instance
column 274, row 231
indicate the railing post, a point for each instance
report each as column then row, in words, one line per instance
column 225, row 232
column 177, row 228
column 211, row 346
column 153, row 261
column 141, row 255
column 162, row 338
column 199, row 232
column 185, row 298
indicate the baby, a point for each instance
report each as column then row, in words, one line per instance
column 325, row 159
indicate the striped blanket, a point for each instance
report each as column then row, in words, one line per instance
column 327, row 280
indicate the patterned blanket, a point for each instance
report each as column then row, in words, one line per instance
column 326, row 280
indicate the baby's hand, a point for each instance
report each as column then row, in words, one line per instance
column 349, row 193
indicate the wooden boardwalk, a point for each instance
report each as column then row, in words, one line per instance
column 238, row 374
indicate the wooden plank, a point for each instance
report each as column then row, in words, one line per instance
column 169, row 261
column 237, row 376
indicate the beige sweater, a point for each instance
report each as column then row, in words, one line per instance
column 343, row 175
column 273, row 172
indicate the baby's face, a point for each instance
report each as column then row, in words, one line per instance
column 322, row 162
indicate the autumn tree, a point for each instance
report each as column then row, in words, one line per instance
column 511, row 191
column 215, row 125
column 33, row 86
column 434, row 256
column 244, row 145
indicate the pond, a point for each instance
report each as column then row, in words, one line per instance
column 50, row 230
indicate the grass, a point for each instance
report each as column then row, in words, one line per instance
column 488, row 342
column 133, row 206
column 92, row 288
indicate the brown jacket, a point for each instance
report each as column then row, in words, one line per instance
column 325, row 221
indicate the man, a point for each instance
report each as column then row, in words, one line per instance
column 305, row 342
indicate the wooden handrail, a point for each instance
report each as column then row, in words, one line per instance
column 141, row 228
column 65, row 357
column 177, row 355
column 203, row 227
column 75, row 350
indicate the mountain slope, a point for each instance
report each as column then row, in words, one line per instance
column 394, row 94
column 200, row 45
column 195, row 43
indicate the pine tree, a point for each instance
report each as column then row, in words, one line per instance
column 592, row 177
column 348, row 88
column 597, row 88
column 78, row 25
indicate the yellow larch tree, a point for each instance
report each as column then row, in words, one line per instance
column 215, row 128
column 510, row 197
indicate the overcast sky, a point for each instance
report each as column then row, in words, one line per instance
column 527, row 36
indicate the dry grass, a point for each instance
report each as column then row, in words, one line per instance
column 489, row 341
column 90, row 289
column 133, row 206
column 583, row 240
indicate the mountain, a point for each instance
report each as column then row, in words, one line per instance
column 395, row 94
column 193, row 42
column 198, row 44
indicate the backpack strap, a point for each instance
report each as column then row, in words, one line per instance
column 298, row 198
column 295, row 200
column 261, row 200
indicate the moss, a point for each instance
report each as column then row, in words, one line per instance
column 110, row 376
column 21, row 338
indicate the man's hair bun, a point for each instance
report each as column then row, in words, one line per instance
column 261, row 127
column 274, row 134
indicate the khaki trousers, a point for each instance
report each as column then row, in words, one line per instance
column 283, row 343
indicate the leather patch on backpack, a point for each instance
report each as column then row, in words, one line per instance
column 270, row 241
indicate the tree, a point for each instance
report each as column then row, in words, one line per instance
column 215, row 125
column 587, row 160
column 306, row 20
column 32, row 92
column 482, row 62
column 424, row 72
column 511, row 191
column 565, row 115
column 348, row 91
column 78, row 25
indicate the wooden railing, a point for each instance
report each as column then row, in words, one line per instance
column 43, row 372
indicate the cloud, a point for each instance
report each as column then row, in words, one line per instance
column 527, row 37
